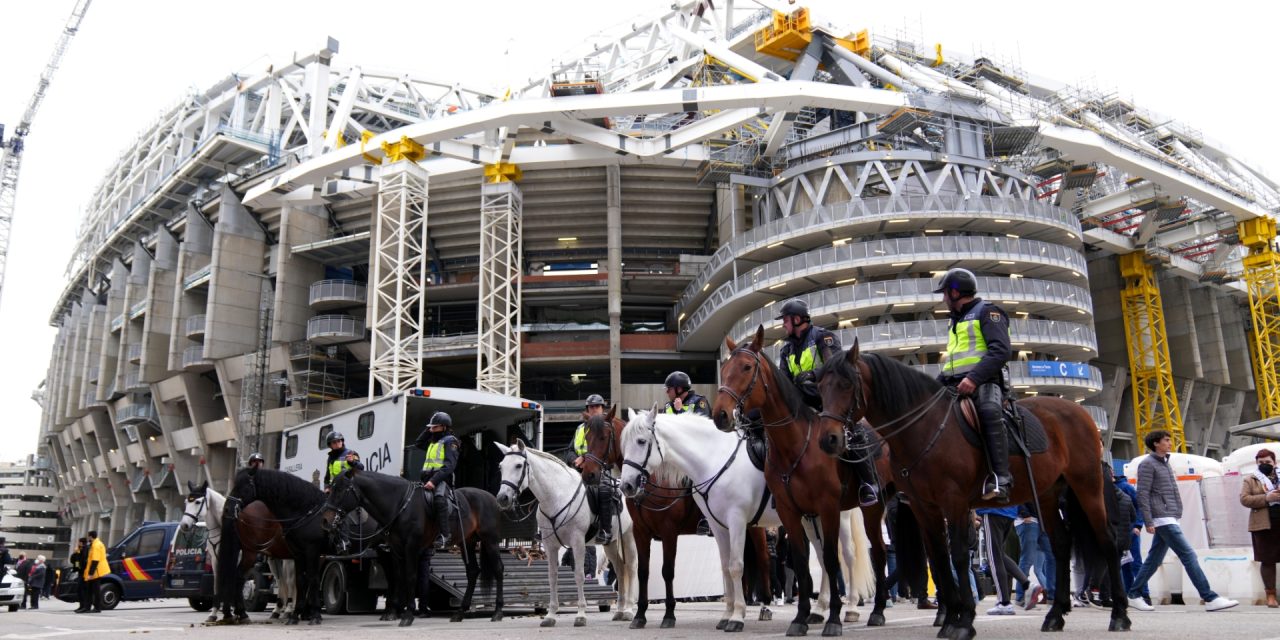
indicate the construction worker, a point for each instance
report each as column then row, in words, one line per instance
column 801, row 355
column 437, row 470
column 681, row 398
column 340, row 458
column 605, row 495
column 977, row 350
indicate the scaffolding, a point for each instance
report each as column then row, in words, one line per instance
column 252, row 391
column 1155, row 401
column 399, row 257
column 1262, row 277
column 498, row 352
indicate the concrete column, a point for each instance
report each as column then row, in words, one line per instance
column 613, row 219
column 295, row 275
column 235, row 283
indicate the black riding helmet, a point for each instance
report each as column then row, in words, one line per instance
column 794, row 307
column 440, row 418
column 679, row 380
column 333, row 437
column 257, row 457
column 961, row 280
column 595, row 400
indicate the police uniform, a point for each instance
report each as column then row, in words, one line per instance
column 437, row 468
column 978, row 348
column 337, row 464
column 604, row 490
column 692, row 402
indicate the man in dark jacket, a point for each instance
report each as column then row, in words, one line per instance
column 437, row 470
column 681, row 398
column 35, row 582
column 1132, row 541
column 1161, row 507
column 5, row 558
column 23, row 571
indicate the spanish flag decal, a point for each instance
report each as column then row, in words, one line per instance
column 135, row 572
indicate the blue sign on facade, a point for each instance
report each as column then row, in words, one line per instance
column 1058, row 369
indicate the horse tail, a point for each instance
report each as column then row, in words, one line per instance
column 1084, row 531
column 862, row 577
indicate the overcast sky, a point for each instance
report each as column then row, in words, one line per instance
column 1212, row 69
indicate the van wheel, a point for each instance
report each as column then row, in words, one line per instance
column 200, row 604
column 333, row 588
column 109, row 596
column 13, row 608
column 256, row 591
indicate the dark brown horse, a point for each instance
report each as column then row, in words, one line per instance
column 801, row 470
column 659, row 513
column 942, row 473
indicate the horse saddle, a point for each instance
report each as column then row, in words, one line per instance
column 757, row 448
column 1023, row 427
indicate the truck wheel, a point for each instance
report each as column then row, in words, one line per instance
column 109, row 596
column 200, row 604
column 333, row 588
column 13, row 608
column 256, row 591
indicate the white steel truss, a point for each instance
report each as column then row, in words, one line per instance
column 399, row 269
column 498, row 355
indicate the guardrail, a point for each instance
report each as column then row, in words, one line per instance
column 195, row 278
column 337, row 291
column 195, row 325
column 134, row 413
column 133, row 353
column 194, row 356
column 335, row 326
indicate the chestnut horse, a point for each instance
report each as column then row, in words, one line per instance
column 801, row 470
column 942, row 473
column 660, row 513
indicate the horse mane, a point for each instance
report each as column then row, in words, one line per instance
column 287, row 492
column 790, row 394
column 549, row 458
column 897, row 387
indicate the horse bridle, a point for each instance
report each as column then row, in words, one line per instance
column 195, row 518
column 740, row 401
column 352, row 489
column 524, row 476
column 648, row 452
column 602, row 462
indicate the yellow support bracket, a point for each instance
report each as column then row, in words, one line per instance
column 502, row 172
column 787, row 36
column 365, row 137
column 404, row 149
column 1155, row 401
column 1262, row 278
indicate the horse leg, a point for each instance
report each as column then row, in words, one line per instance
column 853, row 580
column 832, row 522
column 669, row 548
column 643, row 547
column 736, row 542
column 553, row 578
column 313, row 585
column 936, row 547
column 760, row 545
column 579, row 561
column 288, row 582
column 879, row 557
column 1060, row 540
column 407, row 575
column 958, row 527
column 473, row 573
column 1090, row 509
column 792, row 520
column 825, row 592
column 629, row 555
column 492, row 560
column 721, row 536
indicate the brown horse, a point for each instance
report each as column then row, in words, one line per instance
column 659, row 513
column 942, row 473
column 801, row 470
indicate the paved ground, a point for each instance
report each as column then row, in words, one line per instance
column 169, row 618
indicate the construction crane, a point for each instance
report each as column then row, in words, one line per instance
column 12, row 146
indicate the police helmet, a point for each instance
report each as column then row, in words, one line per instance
column 679, row 380
column 961, row 280
column 595, row 400
column 256, row 457
column 440, row 418
column 333, row 437
column 794, row 307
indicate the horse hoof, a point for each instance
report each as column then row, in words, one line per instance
column 1053, row 623
column 580, row 621
column 667, row 623
column 404, row 622
column 875, row 620
column 734, row 626
column 945, row 631
column 386, row 617
column 547, row 622
column 720, row 625
column 618, row 616
column 291, row 620
column 833, row 629
column 940, row 619
column 457, row 617
column 497, row 617
column 963, row 633
column 851, row 616
column 638, row 623
column 1120, row 624
column 797, row 629
column 314, row 621
column 815, row 618
column 275, row 615
column 765, row 614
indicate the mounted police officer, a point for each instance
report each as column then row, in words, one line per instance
column 799, row 359
column 605, row 496
column 256, row 461
column 437, row 470
column 340, row 458
column 977, row 350
column 681, row 398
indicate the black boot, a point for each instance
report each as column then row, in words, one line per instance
column 995, row 488
column 443, row 539
column 859, row 446
column 604, row 505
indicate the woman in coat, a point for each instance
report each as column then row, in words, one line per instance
column 1260, row 494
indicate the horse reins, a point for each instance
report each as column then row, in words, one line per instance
column 360, row 501
column 524, row 476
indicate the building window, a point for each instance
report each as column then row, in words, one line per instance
column 364, row 426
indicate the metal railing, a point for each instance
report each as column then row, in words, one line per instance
column 133, row 353
column 191, row 280
column 335, row 326
column 133, row 381
column 337, row 291
column 852, row 256
column 195, row 325
column 864, row 210
column 194, row 356
column 92, row 378
column 117, row 323
column 138, row 308
column 134, row 413
column 876, row 295
column 1099, row 416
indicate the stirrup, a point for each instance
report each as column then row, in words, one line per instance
column 867, row 495
column 604, row 537
column 995, row 491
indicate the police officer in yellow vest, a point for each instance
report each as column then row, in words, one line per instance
column 681, row 398
column 437, row 470
column 604, row 491
column 799, row 359
column 340, row 458
column 977, row 350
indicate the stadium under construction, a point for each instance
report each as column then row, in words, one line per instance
column 289, row 244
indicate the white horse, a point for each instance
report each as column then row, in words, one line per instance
column 205, row 505
column 730, row 491
column 563, row 521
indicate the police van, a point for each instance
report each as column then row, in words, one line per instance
column 382, row 432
